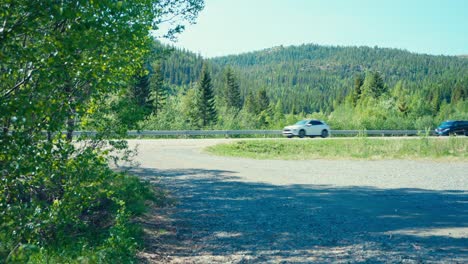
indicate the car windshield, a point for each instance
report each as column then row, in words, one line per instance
column 447, row 124
column 302, row 122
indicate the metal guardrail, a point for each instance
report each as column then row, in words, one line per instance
column 381, row 132
column 256, row 132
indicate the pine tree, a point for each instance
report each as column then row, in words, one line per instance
column 132, row 106
column 356, row 94
column 250, row 104
column 207, row 101
column 436, row 101
column 141, row 90
column 232, row 94
column 401, row 95
column 158, row 94
column 264, row 109
column 278, row 114
column 459, row 93
column 263, row 100
column 373, row 85
column 190, row 106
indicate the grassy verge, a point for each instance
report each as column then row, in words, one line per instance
column 453, row 148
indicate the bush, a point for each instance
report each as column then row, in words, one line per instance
column 62, row 204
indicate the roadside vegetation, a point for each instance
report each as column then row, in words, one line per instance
column 66, row 205
column 62, row 64
column 347, row 87
column 452, row 148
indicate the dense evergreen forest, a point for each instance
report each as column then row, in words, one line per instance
column 349, row 87
column 312, row 77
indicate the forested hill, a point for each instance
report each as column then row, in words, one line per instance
column 326, row 73
column 182, row 66
column 312, row 78
column 394, row 64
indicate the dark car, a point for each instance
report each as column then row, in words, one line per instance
column 453, row 127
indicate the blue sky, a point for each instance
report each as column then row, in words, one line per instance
column 237, row 26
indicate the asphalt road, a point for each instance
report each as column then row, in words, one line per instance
column 234, row 210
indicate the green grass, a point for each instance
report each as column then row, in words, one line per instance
column 453, row 148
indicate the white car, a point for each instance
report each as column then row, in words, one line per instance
column 307, row 128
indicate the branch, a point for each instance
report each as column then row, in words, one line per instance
column 22, row 82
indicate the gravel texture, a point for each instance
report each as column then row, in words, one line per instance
column 233, row 210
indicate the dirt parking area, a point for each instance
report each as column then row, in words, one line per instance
column 232, row 210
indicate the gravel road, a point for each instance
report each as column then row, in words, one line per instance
column 234, row 210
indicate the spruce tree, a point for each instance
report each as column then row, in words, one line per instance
column 190, row 106
column 401, row 95
column 264, row 116
column 380, row 86
column 250, row 104
column 263, row 100
column 278, row 114
column 436, row 101
column 158, row 94
column 356, row 94
column 459, row 93
column 141, row 90
column 232, row 94
column 207, row 101
column 373, row 85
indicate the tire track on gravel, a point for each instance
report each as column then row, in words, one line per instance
column 249, row 211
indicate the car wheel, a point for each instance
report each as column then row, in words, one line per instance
column 324, row 133
column 302, row 133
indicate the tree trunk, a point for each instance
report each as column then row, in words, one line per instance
column 70, row 127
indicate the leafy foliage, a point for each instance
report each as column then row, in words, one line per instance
column 64, row 65
column 57, row 196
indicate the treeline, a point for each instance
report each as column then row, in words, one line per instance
column 350, row 87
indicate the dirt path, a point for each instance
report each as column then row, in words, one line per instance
column 233, row 210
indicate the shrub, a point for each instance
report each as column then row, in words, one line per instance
column 63, row 204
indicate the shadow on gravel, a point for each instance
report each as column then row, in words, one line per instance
column 220, row 219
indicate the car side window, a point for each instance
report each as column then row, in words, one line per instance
column 315, row 123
